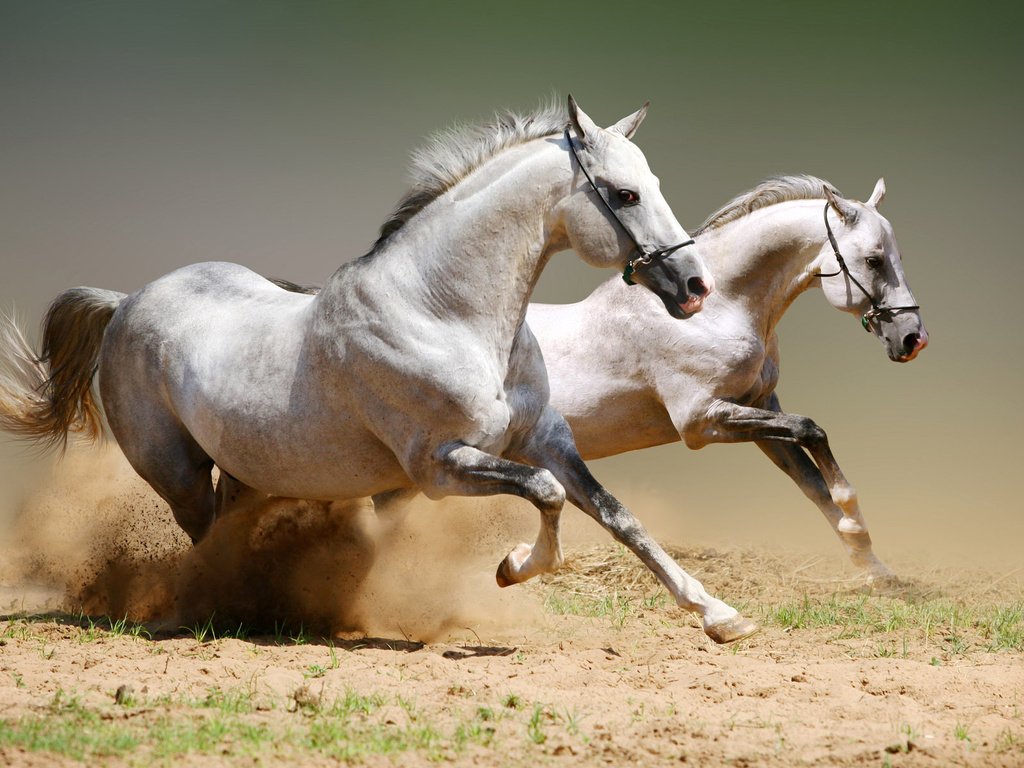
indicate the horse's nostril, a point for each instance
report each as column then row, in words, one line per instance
column 910, row 342
column 696, row 286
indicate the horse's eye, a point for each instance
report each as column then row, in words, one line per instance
column 628, row 197
column 875, row 262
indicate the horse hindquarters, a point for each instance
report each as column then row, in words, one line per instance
column 44, row 398
column 148, row 431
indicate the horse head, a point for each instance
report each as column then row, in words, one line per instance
column 617, row 215
column 863, row 261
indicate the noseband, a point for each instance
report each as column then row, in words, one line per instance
column 643, row 256
column 877, row 310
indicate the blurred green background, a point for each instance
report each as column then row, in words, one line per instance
column 136, row 137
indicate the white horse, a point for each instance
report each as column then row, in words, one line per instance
column 412, row 368
column 625, row 377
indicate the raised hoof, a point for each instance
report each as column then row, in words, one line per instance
column 503, row 576
column 731, row 630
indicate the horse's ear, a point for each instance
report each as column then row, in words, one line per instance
column 586, row 129
column 846, row 210
column 627, row 126
column 878, row 194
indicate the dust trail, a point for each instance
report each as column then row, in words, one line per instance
column 99, row 534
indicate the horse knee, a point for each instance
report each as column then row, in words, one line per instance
column 810, row 434
column 547, row 493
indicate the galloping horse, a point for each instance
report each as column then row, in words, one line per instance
column 412, row 368
column 625, row 378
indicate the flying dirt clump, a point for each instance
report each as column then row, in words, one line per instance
column 98, row 534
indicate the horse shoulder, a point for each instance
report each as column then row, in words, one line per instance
column 599, row 365
column 712, row 357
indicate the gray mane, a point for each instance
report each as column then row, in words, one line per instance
column 771, row 191
column 453, row 154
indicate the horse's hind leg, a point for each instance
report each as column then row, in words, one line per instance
column 177, row 468
column 188, row 488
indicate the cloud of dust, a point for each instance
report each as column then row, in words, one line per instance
column 98, row 533
column 94, row 537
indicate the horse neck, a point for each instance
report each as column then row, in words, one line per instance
column 474, row 255
column 765, row 259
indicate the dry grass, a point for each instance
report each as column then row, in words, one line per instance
column 936, row 612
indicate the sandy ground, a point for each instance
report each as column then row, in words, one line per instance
column 589, row 667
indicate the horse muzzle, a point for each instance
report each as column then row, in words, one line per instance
column 697, row 290
column 913, row 343
column 679, row 279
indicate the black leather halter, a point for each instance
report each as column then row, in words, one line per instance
column 877, row 310
column 643, row 256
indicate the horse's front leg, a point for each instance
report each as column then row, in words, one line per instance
column 468, row 471
column 784, row 437
column 792, row 460
column 551, row 445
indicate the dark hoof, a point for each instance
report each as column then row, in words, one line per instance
column 502, row 576
column 731, row 630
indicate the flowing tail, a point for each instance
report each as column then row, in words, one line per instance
column 45, row 397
